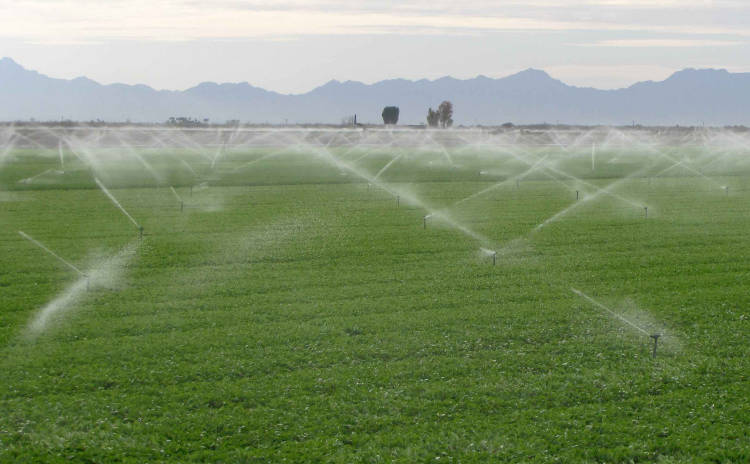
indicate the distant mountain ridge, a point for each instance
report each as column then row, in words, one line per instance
column 688, row 97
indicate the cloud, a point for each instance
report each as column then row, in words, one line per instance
column 71, row 21
column 669, row 43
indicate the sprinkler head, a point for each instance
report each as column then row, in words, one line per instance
column 726, row 190
column 140, row 232
column 656, row 342
column 88, row 282
column 182, row 206
column 494, row 258
column 645, row 209
column 576, row 194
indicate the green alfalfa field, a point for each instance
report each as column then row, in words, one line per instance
column 296, row 305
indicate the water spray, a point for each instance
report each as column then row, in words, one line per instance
column 655, row 336
column 491, row 253
column 179, row 198
column 593, row 157
column 59, row 258
column 388, row 165
column 60, row 152
column 117, row 203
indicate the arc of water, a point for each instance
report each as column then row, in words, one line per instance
column 175, row 193
column 7, row 148
column 220, row 147
column 593, row 156
column 600, row 191
column 28, row 180
column 116, row 203
column 59, row 258
column 60, row 152
column 107, row 270
column 605, row 190
column 501, row 183
column 385, row 168
column 258, row 160
column 665, row 155
column 157, row 177
column 593, row 186
column 601, row 306
column 543, row 169
column 326, row 154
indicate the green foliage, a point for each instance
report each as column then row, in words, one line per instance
column 445, row 114
column 390, row 115
column 433, row 118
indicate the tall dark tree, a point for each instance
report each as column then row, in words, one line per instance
column 433, row 118
column 445, row 110
column 390, row 115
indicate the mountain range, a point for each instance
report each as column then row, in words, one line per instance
column 688, row 97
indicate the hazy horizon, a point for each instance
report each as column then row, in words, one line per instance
column 294, row 46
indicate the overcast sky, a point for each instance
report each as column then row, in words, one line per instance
column 291, row 46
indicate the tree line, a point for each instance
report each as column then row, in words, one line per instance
column 442, row 117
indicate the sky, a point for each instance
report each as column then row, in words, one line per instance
column 292, row 46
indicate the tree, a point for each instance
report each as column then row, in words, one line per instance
column 445, row 111
column 390, row 115
column 433, row 117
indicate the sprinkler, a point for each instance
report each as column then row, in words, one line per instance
column 191, row 190
column 182, row 206
column 576, row 195
column 398, row 201
column 518, row 184
column 726, row 190
column 88, row 283
column 140, row 232
column 656, row 343
column 424, row 222
column 494, row 258
column 368, row 187
column 645, row 209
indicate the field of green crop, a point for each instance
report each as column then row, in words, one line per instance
column 295, row 305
